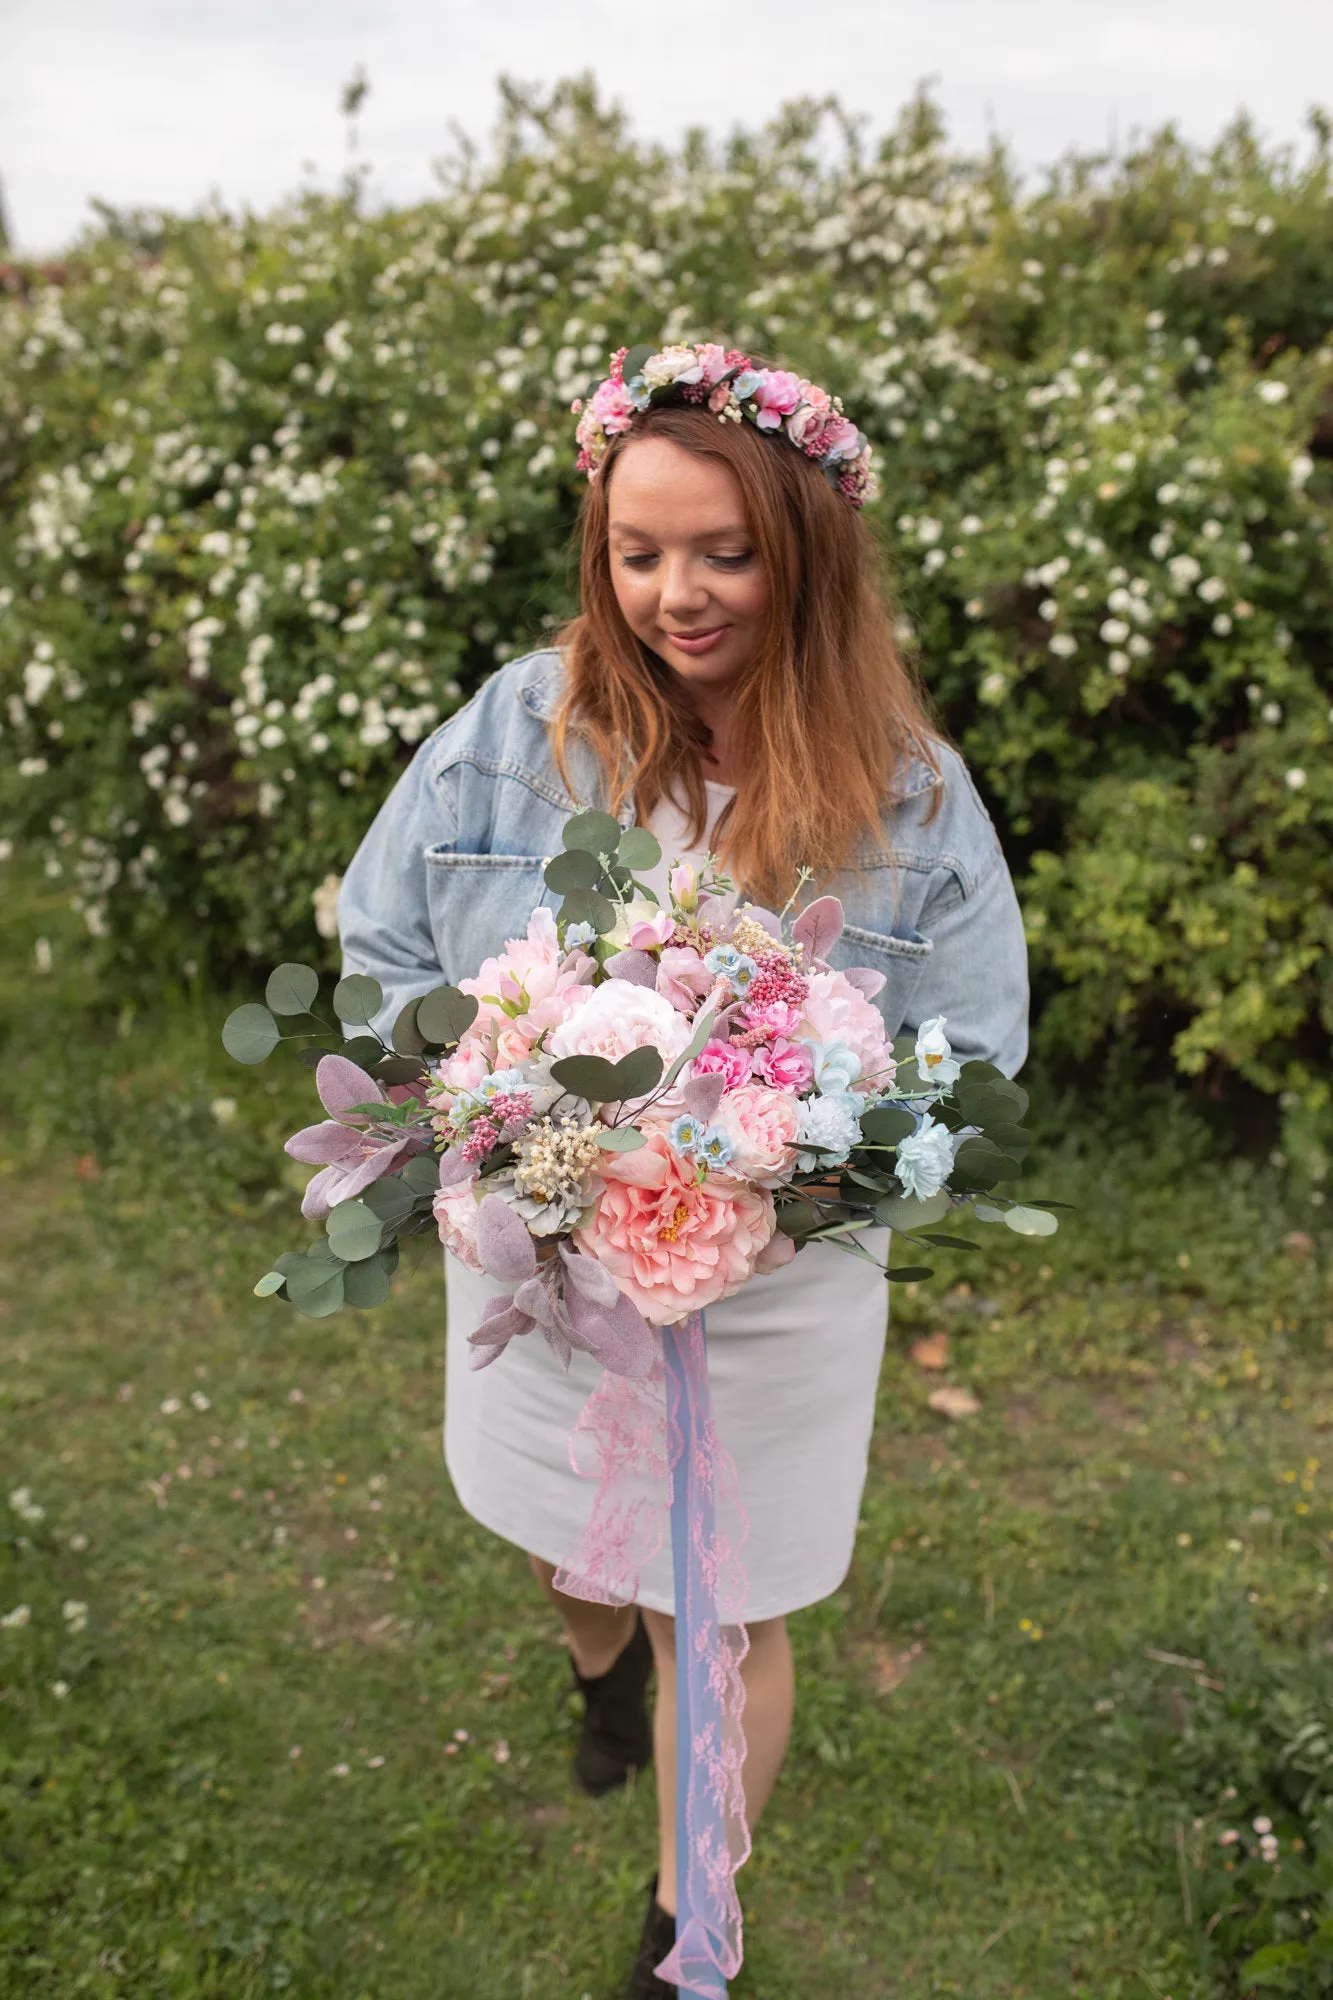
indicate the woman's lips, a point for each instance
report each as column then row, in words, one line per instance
column 699, row 642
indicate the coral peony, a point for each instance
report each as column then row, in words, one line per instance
column 673, row 1244
column 762, row 1125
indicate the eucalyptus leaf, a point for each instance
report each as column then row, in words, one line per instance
column 576, row 868
column 321, row 1300
column 638, row 1072
column 444, row 1016
column 703, row 1028
column 271, row 1282
column 940, row 1242
column 398, row 1069
column 312, row 1056
column 421, row 1173
column 904, row 1211
column 354, row 1231
column 986, row 1211
column 362, row 1050
column 797, row 1218
column 587, row 1076
column 589, row 906
column 1031, row 1221
column 407, row 1037
column 250, row 1033
column 909, row 1274
column 597, row 832
column 620, row 1139
column 292, row 989
column 886, row 1124
column 357, row 999
column 975, row 1070
column 366, row 1284
column 638, row 849
column 390, row 1198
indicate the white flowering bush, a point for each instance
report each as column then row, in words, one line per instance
column 279, row 494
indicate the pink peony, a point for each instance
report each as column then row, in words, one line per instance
column 714, row 360
column 683, row 977
column 533, row 966
column 774, row 1018
column 835, row 1011
column 723, row 1059
column 613, row 406
column 762, row 1126
column 777, row 396
column 673, row 1244
column 456, row 1218
column 784, row 1065
column 618, row 1017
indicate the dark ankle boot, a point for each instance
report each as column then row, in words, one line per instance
column 616, row 1737
column 659, row 1934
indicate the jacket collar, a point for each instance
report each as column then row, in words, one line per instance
column 541, row 695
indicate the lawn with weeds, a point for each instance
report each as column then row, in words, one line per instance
column 275, row 1716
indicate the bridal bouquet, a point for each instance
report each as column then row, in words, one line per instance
column 630, row 1110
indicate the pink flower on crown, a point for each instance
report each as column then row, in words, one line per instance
column 613, row 407
column 811, row 414
column 839, row 439
column 715, row 361
column 778, row 394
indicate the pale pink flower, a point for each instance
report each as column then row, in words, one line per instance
column 726, row 1060
column 762, row 1125
column 713, row 360
column 719, row 398
column 618, row 1017
column 456, row 1218
column 777, row 396
column 839, row 439
column 466, row 1068
column 683, row 882
column 810, row 414
column 683, row 977
column 612, row 406
column 775, row 1017
column 533, row 965
column 674, row 1245
column 784, row 1065
column 835, row 1011
column 648, row 933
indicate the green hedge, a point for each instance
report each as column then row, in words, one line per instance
column 278, row 491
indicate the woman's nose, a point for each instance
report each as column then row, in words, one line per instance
column 683, row 590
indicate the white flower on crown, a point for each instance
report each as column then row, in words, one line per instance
column 672, row 364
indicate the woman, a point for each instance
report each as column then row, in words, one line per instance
column 732, row 683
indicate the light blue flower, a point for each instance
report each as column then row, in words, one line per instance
column 639, row 393
column 685, row 1133
column 743, row 974
column 836, row 1067
column 746, row 383
column 578, row 934
column 722, row 960
column 925, row 1159
column 715, row 1148
column 830, row 1124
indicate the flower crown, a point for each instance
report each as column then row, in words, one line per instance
column 729, row 384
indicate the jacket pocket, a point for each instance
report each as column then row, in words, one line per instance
column 902, row 960
column 477, row 902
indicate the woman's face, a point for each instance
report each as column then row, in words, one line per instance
column 685, row 572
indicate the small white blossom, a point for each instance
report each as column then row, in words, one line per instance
column 1295, row 779
column 14, row 1620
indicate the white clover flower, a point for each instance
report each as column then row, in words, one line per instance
column 75, row 1614
column 60, row 1689
column 1295, row 779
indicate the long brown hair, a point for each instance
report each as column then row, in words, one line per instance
column 823, row 720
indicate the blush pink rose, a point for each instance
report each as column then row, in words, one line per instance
column 456, row 1219
column 723, row 1059
column 836, row 1012
column 762, row 1125
column 673, row 1244
column 784, row 1065
column 714, row 361
column 683, row 977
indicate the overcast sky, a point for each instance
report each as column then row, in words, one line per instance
column 161, row 102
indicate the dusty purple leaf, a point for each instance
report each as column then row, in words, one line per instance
column 819, row 926
column 321, row 1145
column 453, row 1167
column 865, row 979
column 635, row 967
column 503, row 1244
column 702, row 1095
column 341, row 1084
column 618, row 1336
column 590, row 1278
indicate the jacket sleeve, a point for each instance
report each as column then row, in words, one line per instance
column 977, row 974
column 383, row 908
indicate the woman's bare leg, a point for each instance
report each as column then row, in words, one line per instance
column 598, row 1633
column 770, row 1698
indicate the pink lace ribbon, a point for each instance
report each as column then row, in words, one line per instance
column 652, row 1447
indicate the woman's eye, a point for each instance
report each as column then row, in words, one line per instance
column 734, row 562
column 636, row 562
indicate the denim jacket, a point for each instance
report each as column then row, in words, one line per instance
column 452, row 866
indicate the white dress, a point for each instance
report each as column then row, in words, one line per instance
column 793, row 1364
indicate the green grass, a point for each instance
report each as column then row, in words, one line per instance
column 995, row 1778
